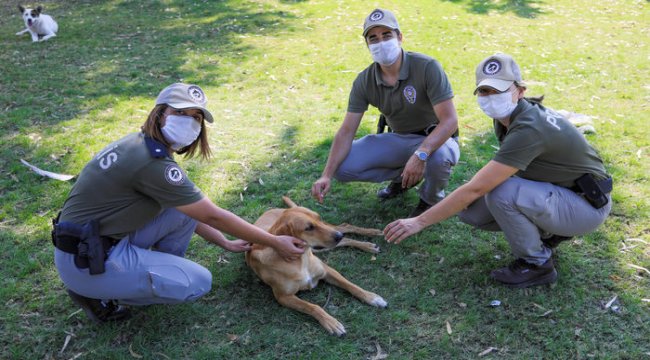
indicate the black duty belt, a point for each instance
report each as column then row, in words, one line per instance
column 83, row 241
column 71, row 244
column 429, row 130
column 606, row 185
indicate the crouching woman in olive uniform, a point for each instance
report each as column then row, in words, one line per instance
column 122, row 234
column 544, row 185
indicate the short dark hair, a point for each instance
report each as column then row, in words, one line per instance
column 397, row 32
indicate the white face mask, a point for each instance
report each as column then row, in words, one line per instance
column 181, row 131
column 497, row 106
column 385, row 52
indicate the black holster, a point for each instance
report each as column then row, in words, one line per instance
column 84, row 242
column 382, row 125
column 594, row 191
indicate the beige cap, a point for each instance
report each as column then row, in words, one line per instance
column 498, row 71
column 380, row 17
column 185, row 96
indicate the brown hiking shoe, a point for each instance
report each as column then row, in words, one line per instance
column 521, row 274
column 99, row 311
column 390, row 191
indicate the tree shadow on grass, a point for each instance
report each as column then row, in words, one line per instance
column 529, row 9
column 93, row 65
column 150, row 49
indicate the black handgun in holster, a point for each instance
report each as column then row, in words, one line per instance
column 382, row 124
column 594, row 191
column 91, row 248
column 90, row 251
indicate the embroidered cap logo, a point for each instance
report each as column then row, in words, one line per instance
column 491, row 67
column 196, row 94
column 376, row 16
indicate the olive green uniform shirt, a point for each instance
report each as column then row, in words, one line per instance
column 126, row 185
column 545, row 146
column 408, row 106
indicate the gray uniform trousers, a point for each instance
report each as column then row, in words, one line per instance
column 525, row 210
column 136, row 275
column 381, row 157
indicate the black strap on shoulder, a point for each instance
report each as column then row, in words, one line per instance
column 156, row 149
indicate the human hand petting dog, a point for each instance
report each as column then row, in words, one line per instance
column 400, row 229
column 289, row 247
column 237, row 245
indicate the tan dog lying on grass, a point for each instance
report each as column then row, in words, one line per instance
column 287, row 278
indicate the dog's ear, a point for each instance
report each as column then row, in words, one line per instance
column 281, row 227
column 21, row 8
column 39, row 9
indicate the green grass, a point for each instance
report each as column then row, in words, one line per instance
column 277, row 75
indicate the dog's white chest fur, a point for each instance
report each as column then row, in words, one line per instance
column 308, row 281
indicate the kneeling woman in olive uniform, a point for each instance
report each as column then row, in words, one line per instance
column 122, row 234
column 544, row 185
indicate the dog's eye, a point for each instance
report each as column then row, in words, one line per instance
column 309, row 227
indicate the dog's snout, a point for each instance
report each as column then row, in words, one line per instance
column 338, row 236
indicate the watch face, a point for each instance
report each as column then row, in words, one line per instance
column 421, row 155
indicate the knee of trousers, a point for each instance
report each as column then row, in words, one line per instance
column 179, row 219
column 469, row 218
column 346, row 173
column 439, row 165
column 503, row 196
column 180, row 283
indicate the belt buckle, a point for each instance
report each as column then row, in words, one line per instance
column 429, row 129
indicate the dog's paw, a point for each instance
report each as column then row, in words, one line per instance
column 333, row 326
column 378, row 301
column 369, row 247
column 376, row 232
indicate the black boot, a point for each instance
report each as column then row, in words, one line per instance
column 392, row 190
column 521, row 274
column 99, row 311
column 554, row 240
column 422, row 207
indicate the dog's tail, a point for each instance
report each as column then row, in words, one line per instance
column 289, row 202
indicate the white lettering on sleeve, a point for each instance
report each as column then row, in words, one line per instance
column 551, row 118
column 106, row 161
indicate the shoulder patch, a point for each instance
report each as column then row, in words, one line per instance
column 156, row 149
column 174, row 175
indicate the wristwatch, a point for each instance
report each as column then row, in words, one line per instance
column 422, row 155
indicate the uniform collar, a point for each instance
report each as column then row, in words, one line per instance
column 522, row 105
column 157, row 150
